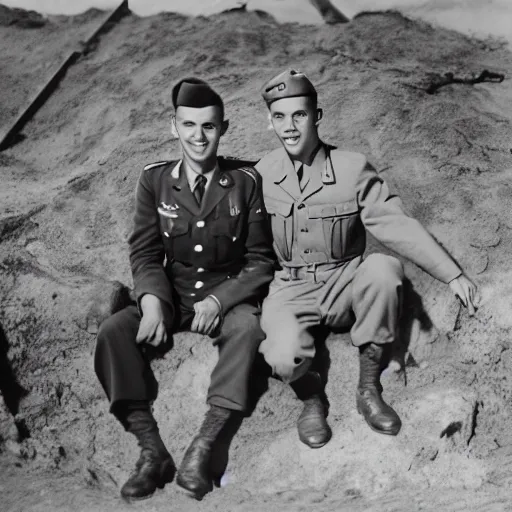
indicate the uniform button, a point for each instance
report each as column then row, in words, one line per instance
column 198, row 248
column 166, row 234
column 307, row 251
column 200, row 223
column 234, row 239
column 192, row 294
column 304, row 230
column 200, row 269
column 199, row 284
column 301, row 206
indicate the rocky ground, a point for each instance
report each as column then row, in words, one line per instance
column 66, row 209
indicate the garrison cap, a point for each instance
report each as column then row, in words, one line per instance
column 193, row 92
column 288, row 84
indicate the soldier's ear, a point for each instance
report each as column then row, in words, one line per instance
column 224, row 127
column 174, row 131
column 319, row 115
column 270, row 126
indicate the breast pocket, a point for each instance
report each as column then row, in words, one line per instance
column 281, row 217
column 174, row 228
column 344, row 232
column 227, row 239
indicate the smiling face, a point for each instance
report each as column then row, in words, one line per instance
column 199, row 131
column 295, row 121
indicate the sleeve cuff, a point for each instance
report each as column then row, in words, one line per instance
column 218, row 304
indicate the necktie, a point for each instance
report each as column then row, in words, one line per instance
column 199, row 187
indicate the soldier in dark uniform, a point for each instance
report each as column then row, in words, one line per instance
column 321, row 201
column 201, row 257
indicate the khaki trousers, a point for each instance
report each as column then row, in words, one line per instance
column 363, row 294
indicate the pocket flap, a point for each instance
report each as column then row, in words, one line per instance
column 324, row 211
column 177, row 227
column 278, row 207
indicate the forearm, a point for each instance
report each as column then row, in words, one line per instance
column 384, row 218
column 249, row 285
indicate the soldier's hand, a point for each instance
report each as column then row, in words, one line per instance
column 207, row 316
column 466, row 291
column 152, row 328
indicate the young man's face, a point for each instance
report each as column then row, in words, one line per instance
column 295, row 123
column 199, row 131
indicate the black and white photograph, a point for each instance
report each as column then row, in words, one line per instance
column 255, row 256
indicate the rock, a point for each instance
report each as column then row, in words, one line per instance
column 13, row 447
column 8, row 428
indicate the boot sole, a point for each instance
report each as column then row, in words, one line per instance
column 192, row 494
column 315, row 446
column 385, row 432
column 130, row 499
column 167, row 473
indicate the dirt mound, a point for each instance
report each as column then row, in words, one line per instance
column 67, row 200
column 20, row 17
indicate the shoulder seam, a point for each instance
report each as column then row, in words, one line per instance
column 250, row 171
column 148, row 167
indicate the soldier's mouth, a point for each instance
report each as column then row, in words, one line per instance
column 291, row 141
column 199, row 146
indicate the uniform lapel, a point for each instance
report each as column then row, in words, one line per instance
column 315, row 172
column 217, row 190
column 181, row 190
column 287, row 178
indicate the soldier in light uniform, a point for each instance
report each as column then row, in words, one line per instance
column 201, row 257
column 321, row 202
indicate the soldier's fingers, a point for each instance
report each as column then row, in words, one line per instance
column 195, row 321
column 142, row 334
column 201, row 325
column 157, row 338
column 473, row 293
column 208, row 326
column 471, row 308
column 213, row 325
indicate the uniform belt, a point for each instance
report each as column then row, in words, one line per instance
column 309, row 272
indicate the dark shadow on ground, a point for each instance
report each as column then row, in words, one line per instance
column 10, row 389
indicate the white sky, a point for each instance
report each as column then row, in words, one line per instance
column 480, row 17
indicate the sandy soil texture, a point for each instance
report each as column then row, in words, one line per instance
column 66, row 201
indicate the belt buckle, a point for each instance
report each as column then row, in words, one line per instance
column 312, row 270
column 294, row 274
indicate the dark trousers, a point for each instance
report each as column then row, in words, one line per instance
column 125, row 374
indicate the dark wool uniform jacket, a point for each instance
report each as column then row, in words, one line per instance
column 182, row 253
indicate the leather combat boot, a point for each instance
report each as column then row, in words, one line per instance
column 194, row 475
column 155, row 466
column 312, row 424
column 377, row 413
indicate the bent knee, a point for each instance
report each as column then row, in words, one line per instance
column 289, row 365
column 382, row 269
column 109, row 329
column 243, row 321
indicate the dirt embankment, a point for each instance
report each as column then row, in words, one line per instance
column 67, row 200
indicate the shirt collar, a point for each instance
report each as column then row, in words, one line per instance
column 191, row 175
column 316, row 160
